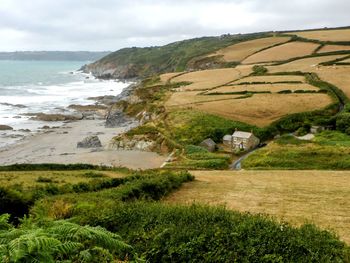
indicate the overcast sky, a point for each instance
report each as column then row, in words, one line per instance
column 113, row 24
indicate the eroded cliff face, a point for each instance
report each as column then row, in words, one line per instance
column 111, row 70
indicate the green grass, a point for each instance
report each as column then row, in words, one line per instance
column 20, row 189
column 192, row 127
column 195, row 157
column 328, row 151
column 148, row 185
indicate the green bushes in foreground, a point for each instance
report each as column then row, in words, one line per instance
column 17, row 200
column 147, row 185
column 163, row 233
column 151, row 185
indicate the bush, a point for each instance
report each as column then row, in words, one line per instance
column 151, row 185
column 17, row 200
column 259, row 70
column 287, row 91
column 44, row 180
column 343, row 122
column 162, row 233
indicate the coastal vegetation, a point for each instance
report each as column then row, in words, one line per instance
column 88, row 213
column 125, row 222
column 328, row 151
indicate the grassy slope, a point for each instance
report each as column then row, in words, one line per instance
column 172, row 57
column 329, row 151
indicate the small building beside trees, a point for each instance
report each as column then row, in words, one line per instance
column 241, row 140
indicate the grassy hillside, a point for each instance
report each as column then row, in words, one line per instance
column 141, row 62
column 328, row 151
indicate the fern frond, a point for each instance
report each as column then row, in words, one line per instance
column 69, row 247
column 97, row 236
column 4, row 222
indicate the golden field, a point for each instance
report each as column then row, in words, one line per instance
column 325, row 35
column 346, row 60
column 332, row 48
column 304, row 65
column 240, row 51
column 263, row 109
column 167, row 76
column 264, row 87
column 270, row 79
column 190, row 97
column 206, row 79
column 338, row 76
column 320, row 197
column 282, row 52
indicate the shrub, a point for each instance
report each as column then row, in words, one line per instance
column 44, row 180
column 259, row 70
column 343, row 122
column 162, row 233
column 285, row 91
column 151, row 185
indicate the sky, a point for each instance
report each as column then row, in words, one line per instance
column 100, row 25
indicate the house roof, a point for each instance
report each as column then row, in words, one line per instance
column 241, row 134
column 209, row 142
column 227, row 138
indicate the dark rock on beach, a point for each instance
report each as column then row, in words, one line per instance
column 90, row 142
column 5, row 128
column 56, row 117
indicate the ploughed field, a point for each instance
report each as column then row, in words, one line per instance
column 259, row 98
column 320, row 197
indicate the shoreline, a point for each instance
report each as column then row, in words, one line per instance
column 59, row 145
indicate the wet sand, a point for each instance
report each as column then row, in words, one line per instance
column 60, row 146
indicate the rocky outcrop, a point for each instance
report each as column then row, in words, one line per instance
column 117, row 118
column 91, row 112
column 138, row 143
column 90, row 142
column 112, row 71
column 5, row 128
column 55, row 117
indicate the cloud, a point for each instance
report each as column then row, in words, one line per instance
column 113, row 24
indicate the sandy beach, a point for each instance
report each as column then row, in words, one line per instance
column 59, row 145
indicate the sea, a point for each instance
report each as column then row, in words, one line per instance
column 44, row 86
